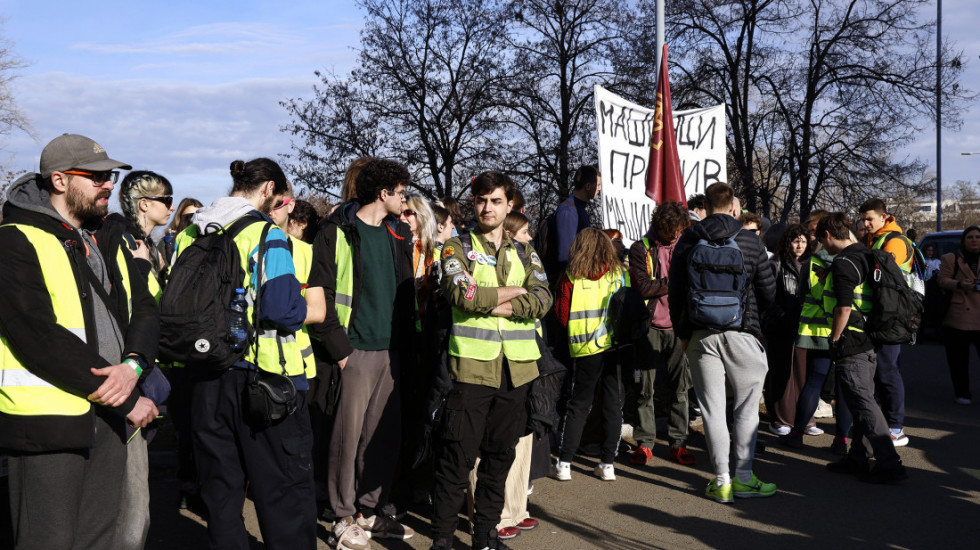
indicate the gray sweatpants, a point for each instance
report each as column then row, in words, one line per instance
column 740, row 358
column 366, row 433
column 133, row 523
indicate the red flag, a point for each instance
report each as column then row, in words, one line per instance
column 664, row 181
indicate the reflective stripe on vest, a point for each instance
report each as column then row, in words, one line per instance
column 862, row 300
column 344, row 289
column 481, row 336
column 269, row 340
column 814, row 321
column 303, row 262
column 23, row 393
column 589, row 332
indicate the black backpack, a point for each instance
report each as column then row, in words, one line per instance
column 896, row 309
column 717, row 282
column 195, row 305
column 628, row 315
column 546, row 244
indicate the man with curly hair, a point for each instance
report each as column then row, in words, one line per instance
column 362, row 258
column 649, row 263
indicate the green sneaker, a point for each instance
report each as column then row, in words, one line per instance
column 754, row 488
column 719, row 493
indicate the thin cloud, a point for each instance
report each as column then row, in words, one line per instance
column 222, row 39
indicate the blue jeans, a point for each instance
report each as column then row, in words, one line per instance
column 889, row 385
column 818, row 365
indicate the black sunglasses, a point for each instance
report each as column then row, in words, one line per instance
column 168, row 201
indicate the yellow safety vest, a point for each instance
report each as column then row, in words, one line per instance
column 814, row 321
column 862, row 301
column 344, row 289
column 482, row 336
column 22, row 392
column 303, row 262
column 879, row 243
column 589, row 331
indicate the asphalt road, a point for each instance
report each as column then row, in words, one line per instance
column 661, row 505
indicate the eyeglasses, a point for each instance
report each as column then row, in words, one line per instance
column 168, row 201
column 100, row 178
column 284, row 202
column 408, row 212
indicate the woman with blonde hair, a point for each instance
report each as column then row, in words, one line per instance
column 419, row 217
column 147, row 201
column 582, row 298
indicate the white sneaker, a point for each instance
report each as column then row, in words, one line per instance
column 349, row 535
column 813, row 430
column 562, row 471
column 899, row 438
column 963, row 401
column 824, row 410
column 779, row 430
column 605, row 472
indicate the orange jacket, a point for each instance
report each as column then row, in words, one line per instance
column 895, row 247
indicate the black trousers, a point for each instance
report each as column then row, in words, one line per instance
column 484, row 420
column 855, row 379
column 958, row 343
column 275, row 462
column 601, row 369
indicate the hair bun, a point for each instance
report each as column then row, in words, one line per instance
column 237, row 169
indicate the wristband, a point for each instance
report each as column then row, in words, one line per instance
column 136, row 366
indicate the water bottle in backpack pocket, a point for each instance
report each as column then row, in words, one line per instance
column 238, row 326
column 716, row 284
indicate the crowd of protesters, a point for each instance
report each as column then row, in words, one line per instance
column 436, row 355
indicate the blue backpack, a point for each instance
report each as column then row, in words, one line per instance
column 716, row 284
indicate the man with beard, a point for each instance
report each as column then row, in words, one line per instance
column 78, row 328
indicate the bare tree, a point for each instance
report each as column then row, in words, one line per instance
column 862, row 87
column 561, row 50
column 12, row 119
column 820, row 95
column 426, row 93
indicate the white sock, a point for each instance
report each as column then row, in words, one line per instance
column 564, row 464
column 603, row 465
column 744, row 477
column 723, row 479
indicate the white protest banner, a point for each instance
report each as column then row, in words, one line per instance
column 624, row 130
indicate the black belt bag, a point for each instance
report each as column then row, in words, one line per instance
column 269, row 398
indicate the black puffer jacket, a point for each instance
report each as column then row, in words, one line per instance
column 782, row 319
column 761, row 286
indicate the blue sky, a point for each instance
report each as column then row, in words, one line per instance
column 184, row 88
column 179, row 87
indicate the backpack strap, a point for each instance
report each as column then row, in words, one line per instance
column 466, row 239
column 259, row 266
column 521, row 251
column 240, row 224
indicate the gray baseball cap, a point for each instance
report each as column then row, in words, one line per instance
column 69, row 151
